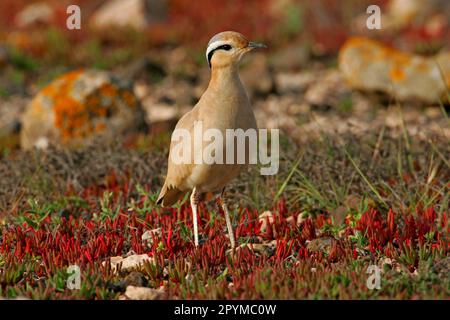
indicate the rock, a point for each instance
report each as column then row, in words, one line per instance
column 293, row 82
column 266, row 248
column 370, row 65
column 162, row 116
column 256, row 75
column 174, row 92
column 320, row 244
column 130, row 262
column 291, row 220
column 162, row 112
column 78, row 107
column 137, row 14
column 386, row 263
column 35, row 13
column 136, row 279
column 328, row 90
column 147, row 236
column 300, row 218
column 401, row 13
column 272, row 112
column 143, row 293
column 292, row 58
column 264, row 218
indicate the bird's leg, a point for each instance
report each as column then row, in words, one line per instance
column 194, row 203
column 223, row 204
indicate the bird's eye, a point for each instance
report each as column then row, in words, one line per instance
column 225, row 47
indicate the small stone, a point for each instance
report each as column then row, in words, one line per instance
column 136, row 279
column 263, row 218
column 160, row 112
column 143, row 293
column 328, row 90
column 320, row 244
column 147, row 236
column 290, row 220
column 386, row 264
column 139, row 14
column 35, row 13
column 131, row 262
column 300, row 218
column 267, row 248
column 293, row 82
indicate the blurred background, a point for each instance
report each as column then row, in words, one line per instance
column 159, row 46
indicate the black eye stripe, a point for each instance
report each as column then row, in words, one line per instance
column 225, row 47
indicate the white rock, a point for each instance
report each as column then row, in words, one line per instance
column 263, row 218
column 122, row 13
column 131, row 262
column 143, row 293
column 34, row 13
column 293, row 82
column 137, row 14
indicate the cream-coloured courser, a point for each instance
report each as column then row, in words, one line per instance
column 224, row 105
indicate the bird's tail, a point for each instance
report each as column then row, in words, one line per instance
column 169, row 196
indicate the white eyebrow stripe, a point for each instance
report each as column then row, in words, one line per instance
column 214, row 45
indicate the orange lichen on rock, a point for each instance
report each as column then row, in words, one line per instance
column 397, row 74
column 371, row 65
column 108, row 90
column 129, row 98
column 70, row 117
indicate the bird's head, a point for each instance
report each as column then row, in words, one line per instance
column 227, row 49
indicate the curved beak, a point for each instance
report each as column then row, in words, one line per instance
column 254, row 45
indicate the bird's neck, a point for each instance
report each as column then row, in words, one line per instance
column 224, row 77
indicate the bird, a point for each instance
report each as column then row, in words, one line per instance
column 224, row 105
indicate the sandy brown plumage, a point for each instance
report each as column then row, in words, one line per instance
column 224, row 105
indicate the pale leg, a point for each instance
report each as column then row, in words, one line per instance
column 194, row 202
column 223, row 204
